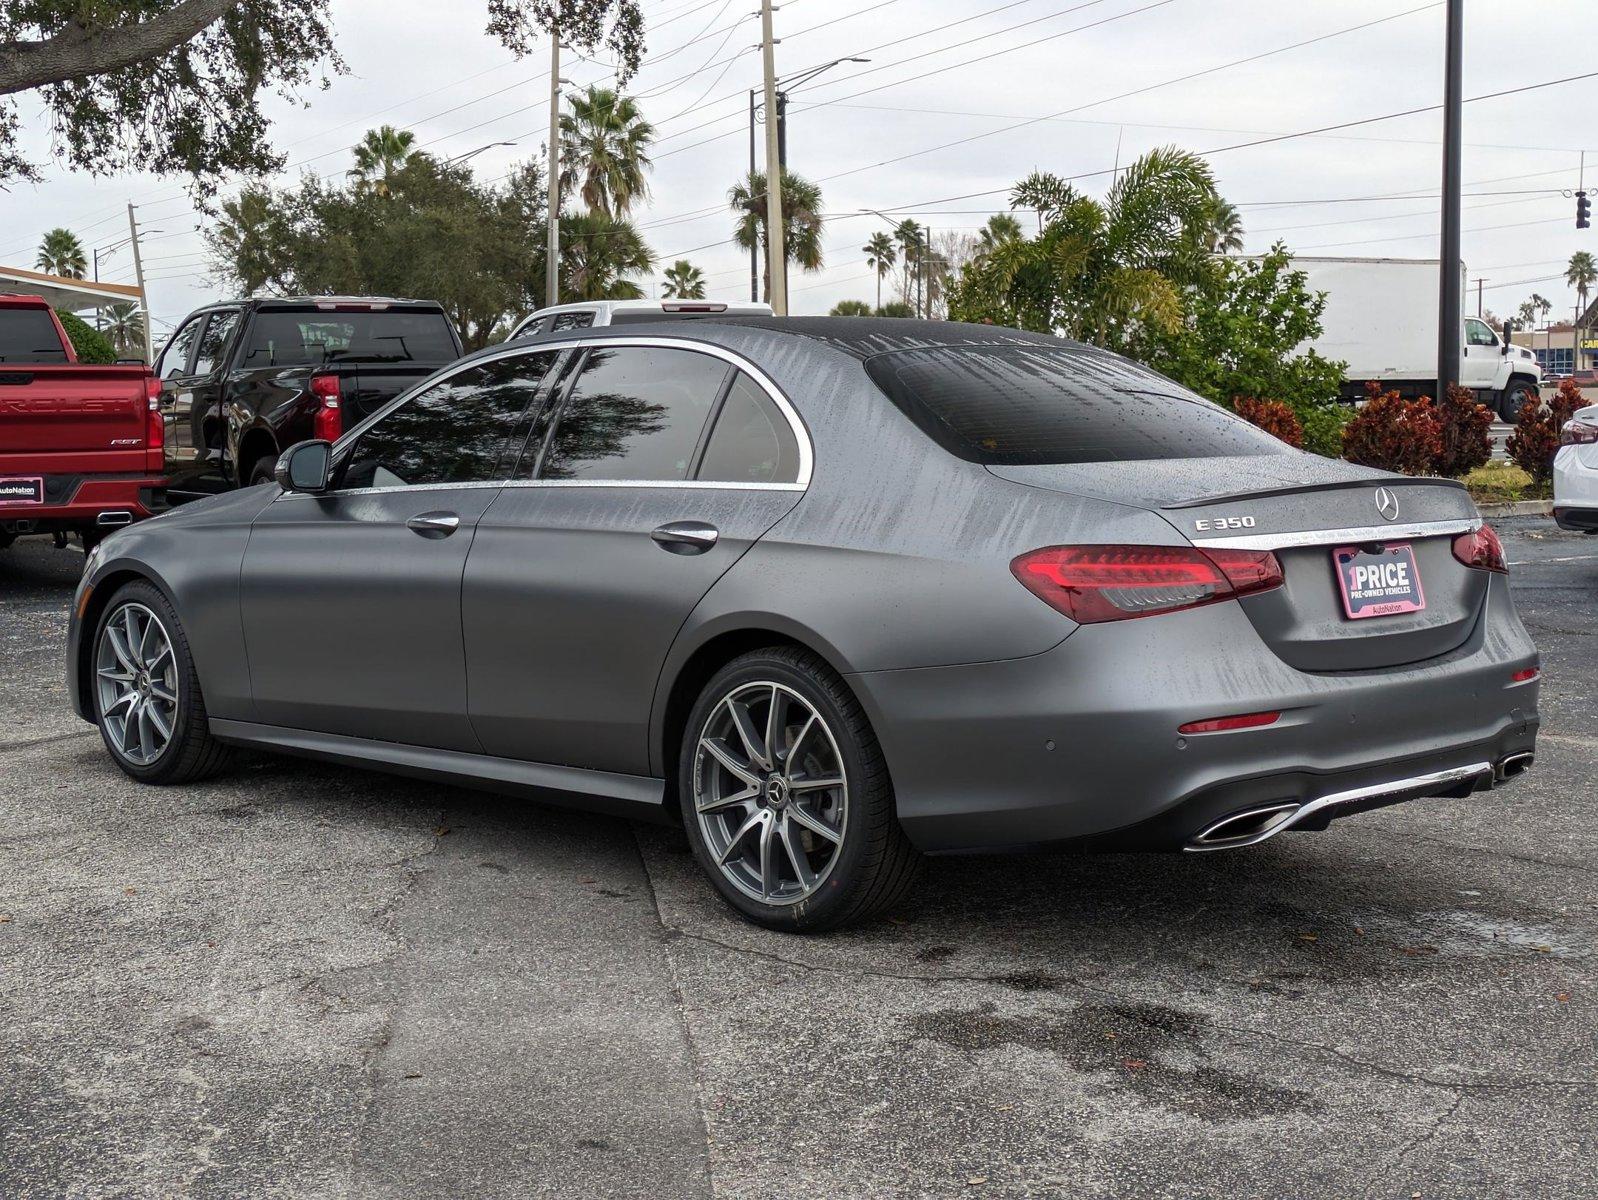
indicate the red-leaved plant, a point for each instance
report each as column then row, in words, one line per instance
column 1537, row 427
column 1464, row 427
column 1273, row 417
column 1394, row 434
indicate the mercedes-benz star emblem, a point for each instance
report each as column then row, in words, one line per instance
column 1387, row 503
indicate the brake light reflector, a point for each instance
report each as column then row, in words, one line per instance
column 1525, row 675
column 1482, row 550
column 154, row 427
column 1092, row 584
column 328, row 423
column 1223, row 724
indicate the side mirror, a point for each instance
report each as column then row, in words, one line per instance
column 1509, row 328
column 304, row 467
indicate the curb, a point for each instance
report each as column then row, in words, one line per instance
column 1518, row 508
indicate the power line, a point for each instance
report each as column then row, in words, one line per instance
column 1252, row 58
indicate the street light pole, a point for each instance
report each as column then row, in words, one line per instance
column 776, row 242
column 1450, row 301
column 552, row 250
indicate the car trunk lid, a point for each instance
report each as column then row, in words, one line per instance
column 1304, row 508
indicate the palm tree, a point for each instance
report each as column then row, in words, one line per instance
column 1223, row 231
column 604, row 149
column 1533, row 309
column 1581, row 274
column 1102, row 271
column 597, row 254
column 379, row 156
column 908, row 235
column 880, row 256
column 684, row 281
column 124, row 325
column 60, row 253
column 1001, row 228
column 801, row 220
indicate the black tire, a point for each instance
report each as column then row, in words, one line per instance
column 191, row 753
column 261, row 470
column 1515, row 395
column 874, row 865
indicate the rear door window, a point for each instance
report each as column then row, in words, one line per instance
column 1023, row 405
column 463, row 429
column 751, row 441
column 634, row 413
column 312, row 336
column 28, row 335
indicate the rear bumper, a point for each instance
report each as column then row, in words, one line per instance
column 1079, row 745
column 87, row 502
column 1576, row 489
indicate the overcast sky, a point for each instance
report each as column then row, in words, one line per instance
column 1071, row 61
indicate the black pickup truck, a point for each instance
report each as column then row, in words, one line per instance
column 244, row 380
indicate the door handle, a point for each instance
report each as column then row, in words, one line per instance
column 434, row 524
column 685, row 537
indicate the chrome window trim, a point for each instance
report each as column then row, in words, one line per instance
column 1340, row 537
column 477, row 485
column 775, row 394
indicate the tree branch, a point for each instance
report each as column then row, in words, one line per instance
column 75, row 54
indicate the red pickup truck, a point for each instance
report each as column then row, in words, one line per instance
column 81, row 446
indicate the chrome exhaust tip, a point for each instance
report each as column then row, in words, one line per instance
column 110, row 519
column 1512, row 765
column 1246, row 828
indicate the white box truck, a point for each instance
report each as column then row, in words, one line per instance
column 1381, row 319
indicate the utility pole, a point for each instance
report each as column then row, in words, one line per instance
column 1479, row 281
column 1450, row 304
column 552, row 251
column 754, row 243
column 776, row 242
column 138, row 274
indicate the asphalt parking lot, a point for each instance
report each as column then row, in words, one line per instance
column 302, row 981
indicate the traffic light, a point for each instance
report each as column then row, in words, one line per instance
column 1583, row 211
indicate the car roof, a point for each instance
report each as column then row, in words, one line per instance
column 864, row 337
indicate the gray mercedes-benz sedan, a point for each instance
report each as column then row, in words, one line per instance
column 833, row 593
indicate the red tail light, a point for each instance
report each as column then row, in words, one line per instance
column 328, row 423
column 154, row 427
column 1577, row 434
column 1090, row 584
column 1481, row 550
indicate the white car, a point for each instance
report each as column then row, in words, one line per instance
column 593, row 313
column 1576, row 473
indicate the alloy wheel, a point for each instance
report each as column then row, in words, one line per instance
column 770, row 792
column 136, row 680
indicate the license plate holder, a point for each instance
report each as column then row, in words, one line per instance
column 1378, row 582
column 21, row 489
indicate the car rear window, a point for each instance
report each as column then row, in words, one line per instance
column 311, row 337
column 28, row 335
column 1017, row 405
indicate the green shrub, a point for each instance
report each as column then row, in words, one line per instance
column 850, row 308
column 896, row 308
column 1323, row 427
column 91, row 345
